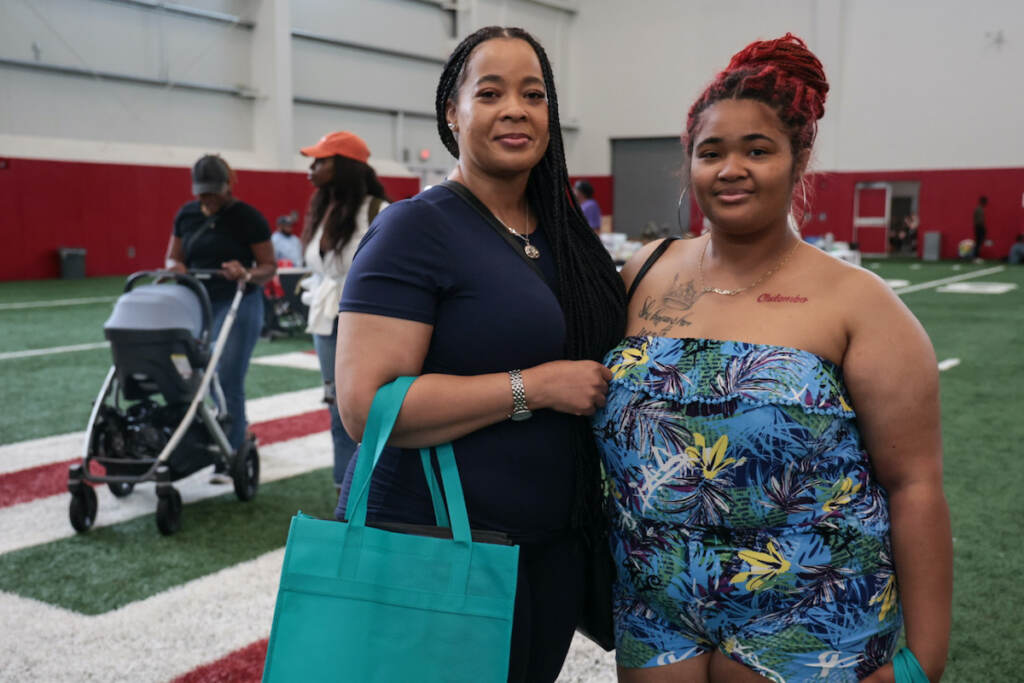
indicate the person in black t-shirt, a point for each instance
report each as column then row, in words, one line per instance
column 504, row 326
column 217, row 231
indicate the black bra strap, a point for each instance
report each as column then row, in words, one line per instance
column 655, row 255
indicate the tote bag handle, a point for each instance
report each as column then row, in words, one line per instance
column 381, row 420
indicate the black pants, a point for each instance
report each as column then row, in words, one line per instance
column 548, row 597
column 979, row 239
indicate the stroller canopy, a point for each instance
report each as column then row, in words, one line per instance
column 157, row 307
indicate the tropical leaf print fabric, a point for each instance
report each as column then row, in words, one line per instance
column 745, row 516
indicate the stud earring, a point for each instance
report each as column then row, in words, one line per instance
column 451, row 125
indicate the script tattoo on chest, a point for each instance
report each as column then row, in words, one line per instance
column 672, row 309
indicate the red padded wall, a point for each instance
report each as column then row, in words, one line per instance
column 110, row 209
column 945, row 204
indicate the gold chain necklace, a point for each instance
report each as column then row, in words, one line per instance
column 530, row 250
column 733, row 292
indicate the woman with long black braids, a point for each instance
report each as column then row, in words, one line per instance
column 503, row 327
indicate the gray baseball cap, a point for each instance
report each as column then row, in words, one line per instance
column 210, row 174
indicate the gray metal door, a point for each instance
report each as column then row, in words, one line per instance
column 647, row 179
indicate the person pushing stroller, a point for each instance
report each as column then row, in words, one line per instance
column 218, row 231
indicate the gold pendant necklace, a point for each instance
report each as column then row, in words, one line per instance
column 733, row 292
column 531, row 251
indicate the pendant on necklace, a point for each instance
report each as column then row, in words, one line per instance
column 531, row 251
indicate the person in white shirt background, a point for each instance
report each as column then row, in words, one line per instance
column 348, row 197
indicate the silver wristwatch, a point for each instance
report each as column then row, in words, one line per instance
column 519, row 410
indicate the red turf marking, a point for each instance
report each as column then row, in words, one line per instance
column 241, row 665
column 50, row 480
column 285, row 428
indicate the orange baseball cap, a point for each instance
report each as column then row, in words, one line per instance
column 340, row 142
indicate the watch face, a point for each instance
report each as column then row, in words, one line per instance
column 521, row 415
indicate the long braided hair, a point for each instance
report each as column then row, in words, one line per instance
column 590, row 291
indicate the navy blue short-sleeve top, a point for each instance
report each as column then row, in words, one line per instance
column 433, row 259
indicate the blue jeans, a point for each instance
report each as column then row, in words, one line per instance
column 234, row 361
column 344, row 446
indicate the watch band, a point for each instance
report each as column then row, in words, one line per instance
column 515, row 377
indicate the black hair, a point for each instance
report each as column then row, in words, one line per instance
column 983, row 200
column 585, row 188
column 590, row 290
column 352, row 181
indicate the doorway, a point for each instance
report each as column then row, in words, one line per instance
column 646, row 179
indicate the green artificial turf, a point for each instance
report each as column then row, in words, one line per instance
column 983, row 441
column 983, row 432
column 109, row 567
column 53, row 393
column 44, row 290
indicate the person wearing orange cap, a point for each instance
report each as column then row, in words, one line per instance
column 348, row 196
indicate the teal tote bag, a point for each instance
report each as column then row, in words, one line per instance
column 360, row 603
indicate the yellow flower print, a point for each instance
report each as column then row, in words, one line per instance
column 764, row 567
column 886, row 596
column 630, row 359
column 712, row 460
column 844, row 404
column 842, row 493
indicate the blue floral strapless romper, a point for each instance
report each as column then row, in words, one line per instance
column 745, row 514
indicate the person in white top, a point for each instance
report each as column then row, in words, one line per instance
column 348, row 197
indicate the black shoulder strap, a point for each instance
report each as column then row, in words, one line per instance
column 655, row 255
column 190, row 239
column 463, row 193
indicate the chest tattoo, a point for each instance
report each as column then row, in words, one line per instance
column 767, row 298
column 672, row 309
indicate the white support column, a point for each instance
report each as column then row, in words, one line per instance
column 272, row 79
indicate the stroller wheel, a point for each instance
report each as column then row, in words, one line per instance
column 168, row 512
column 121, row 489
column 82, row 511
column 245, row 471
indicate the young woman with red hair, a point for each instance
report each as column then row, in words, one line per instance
column 772, row 426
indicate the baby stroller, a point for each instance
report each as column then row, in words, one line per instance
column 157, row 416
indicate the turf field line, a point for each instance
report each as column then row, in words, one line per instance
column 301, row 360
column 57, row 302
column 12, row 355
column 954, row 278
column 46, row 519
column 51, row 480
column 948, row 364
column 61, row 447
column 152, row 640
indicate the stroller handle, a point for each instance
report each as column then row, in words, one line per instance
column 187, row 280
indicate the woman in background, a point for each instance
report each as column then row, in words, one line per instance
column 348, row 197
column 217, row 231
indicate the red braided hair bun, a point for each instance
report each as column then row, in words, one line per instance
column 781, row 73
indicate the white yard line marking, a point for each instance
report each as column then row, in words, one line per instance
column 50, row 449
column 156, row 639
column 948, row 363
column 46, row 519
column 955, row 278
column 56, row 302
column 295, row 359
column 11, row 355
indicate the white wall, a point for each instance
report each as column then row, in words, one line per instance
column 291, row 71
column 915, row 83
